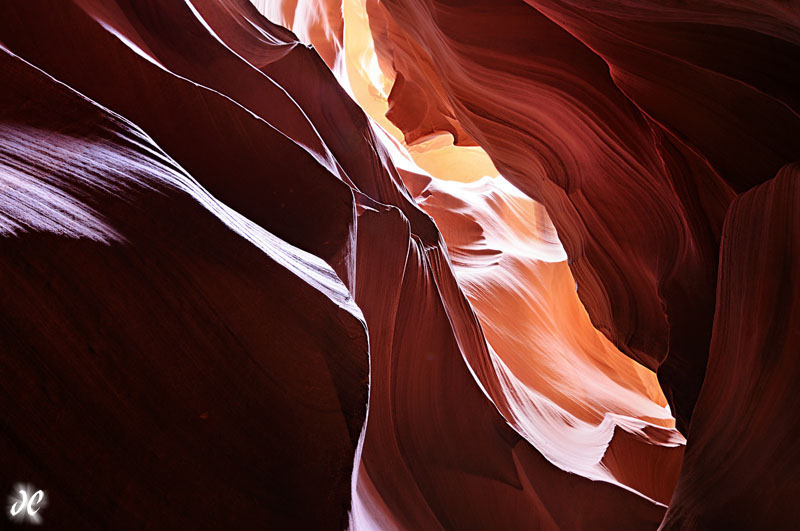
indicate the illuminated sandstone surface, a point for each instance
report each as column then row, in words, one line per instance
column 401, row 264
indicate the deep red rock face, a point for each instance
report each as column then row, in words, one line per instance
column 743, row 438
column 401, row 264
column 162, row 354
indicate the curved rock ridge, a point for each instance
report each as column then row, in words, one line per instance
column 161, row 349
column 163, row 307
column 574, row 444
column 192, row 122
column 741, row 467
column 737, row 57
column 636, row 206
column 555, row 378
column 317, row 21
column 400, row 264
column 437, row 454
column 635, row 124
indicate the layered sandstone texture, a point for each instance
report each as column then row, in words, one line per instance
column 401, row 264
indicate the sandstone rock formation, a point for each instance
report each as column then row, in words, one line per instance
column 400, row 264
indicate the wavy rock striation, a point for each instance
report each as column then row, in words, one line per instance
column 555, row 378
column 161, row 350
column 210, row 309
column 585, row 108
column 742, row 459
column 234, row 298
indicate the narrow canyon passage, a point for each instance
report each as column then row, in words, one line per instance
column 399, row 264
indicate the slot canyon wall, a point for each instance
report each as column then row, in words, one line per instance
column 401, row 264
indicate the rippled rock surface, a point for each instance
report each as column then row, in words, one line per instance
column 400, row 264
